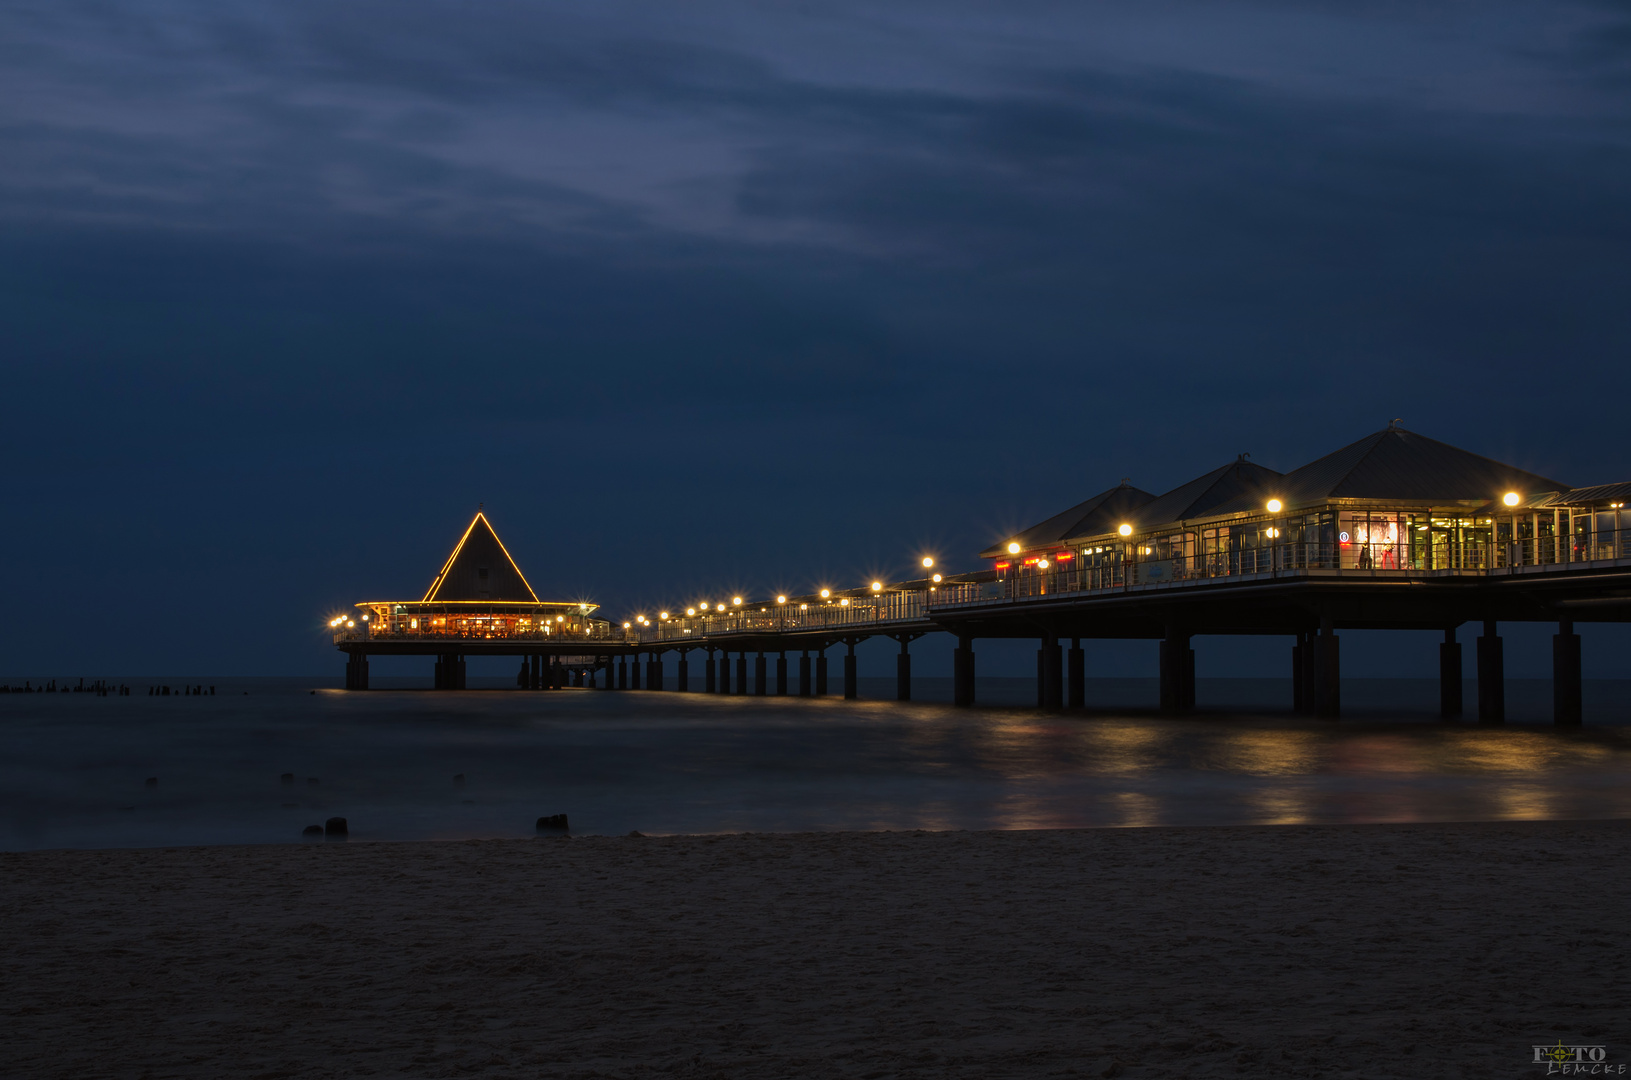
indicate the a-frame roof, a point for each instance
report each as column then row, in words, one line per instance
column 1239, row 481
column 1399, row 464
column 480, row 569
column 1102, row 513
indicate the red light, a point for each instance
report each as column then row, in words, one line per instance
column 1002, row 566
column 1063, row 556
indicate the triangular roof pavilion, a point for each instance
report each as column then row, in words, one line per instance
column 480, row 569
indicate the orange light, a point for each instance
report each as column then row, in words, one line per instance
column 825, row 593
column 1510, row 498
column 781, row 599
column 927, row 562
column 877, row 586
column 1013, row 548
column 1125, row 530
column 1275, row 505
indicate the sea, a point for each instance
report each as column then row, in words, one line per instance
column 259, row 761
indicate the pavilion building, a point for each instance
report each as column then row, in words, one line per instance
column 479, row 602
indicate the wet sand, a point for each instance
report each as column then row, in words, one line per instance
column 1376, row 951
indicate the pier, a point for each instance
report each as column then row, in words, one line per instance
column 1396, row 531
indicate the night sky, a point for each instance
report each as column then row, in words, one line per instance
column 701, row 297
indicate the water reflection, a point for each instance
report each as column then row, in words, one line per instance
column 72, row 768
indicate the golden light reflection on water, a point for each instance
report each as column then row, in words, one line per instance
column 1269, row 753
column 1064, row 772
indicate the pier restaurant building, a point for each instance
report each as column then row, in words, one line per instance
column 480, row 602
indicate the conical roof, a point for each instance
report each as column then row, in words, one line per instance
column 1399, row 464
column 480, row 569
column 1102, row 513
column 1239, row 481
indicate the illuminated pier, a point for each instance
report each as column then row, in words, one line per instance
column 1395, row 531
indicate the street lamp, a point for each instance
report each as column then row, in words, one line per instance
column 1013, row 548
column 1511, row 498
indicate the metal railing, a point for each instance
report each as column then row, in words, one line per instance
column 787, row 618
column 1358, row 560
column 596, row 632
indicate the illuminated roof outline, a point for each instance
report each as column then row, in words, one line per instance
column 480, row 551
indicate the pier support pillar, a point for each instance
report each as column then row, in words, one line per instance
column 1076, row 675
column 724, row 672
column 804, row 674
column 356, row 671
column 760, row 683
column 1449, row 676
column 523, row 678
column 1566, row 690
column 821, row 673
column 634, row 672
column 1299, row 675
column 557, row 674
column 1050, row 687
column 1177, row 672
column 622, row 672
column 654, row 672
column 707, row 673
column 781, row 675
column 903, row 671
column 682, row 677
column 742, row 673
column 962, row 672
column 537, row 671
column 1328, row 664
column 1491, row 677
column 578, row 678
column 851, row 689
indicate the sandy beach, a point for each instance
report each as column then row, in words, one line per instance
column 1374, row 951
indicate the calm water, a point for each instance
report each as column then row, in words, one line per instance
column 73, row 766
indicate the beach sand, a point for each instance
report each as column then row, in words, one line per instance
column 1377, row 951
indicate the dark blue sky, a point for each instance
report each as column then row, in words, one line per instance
column 714, row 296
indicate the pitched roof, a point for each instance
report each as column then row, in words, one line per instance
column 1399, row 464
column 1238, row 481
column 1600, row 495
column 480, row 569
column 1102, row 513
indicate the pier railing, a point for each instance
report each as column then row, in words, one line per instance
column 595, row 633
column 1374, row 561
column 1352, row 560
